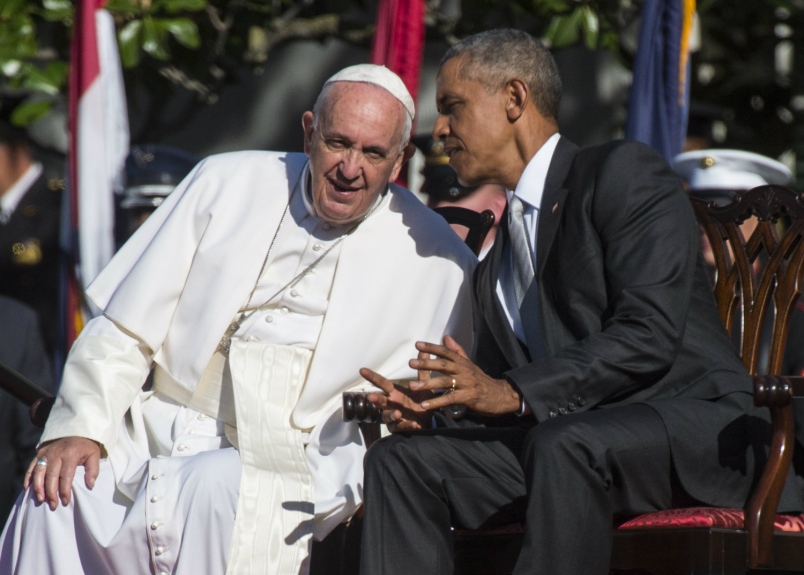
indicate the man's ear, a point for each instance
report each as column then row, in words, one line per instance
column 517, row 96
column 307, row 125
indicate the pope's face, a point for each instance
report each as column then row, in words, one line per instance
column 472, row 123
column 354, row 149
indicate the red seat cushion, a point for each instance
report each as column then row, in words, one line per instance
column 671, row 518
column 706, row 517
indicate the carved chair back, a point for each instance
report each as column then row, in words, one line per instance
column 757, row 278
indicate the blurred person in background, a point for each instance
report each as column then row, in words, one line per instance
column 152, row 172
column 719, row 175
column 442, row 189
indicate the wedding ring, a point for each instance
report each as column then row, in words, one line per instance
column 41, row 462
column 452, row 389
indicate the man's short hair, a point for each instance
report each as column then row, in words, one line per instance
column 494, row 57
column 320, row 104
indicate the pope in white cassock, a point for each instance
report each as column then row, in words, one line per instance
column 256, row 292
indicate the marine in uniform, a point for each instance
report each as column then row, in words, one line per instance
column 719, row 175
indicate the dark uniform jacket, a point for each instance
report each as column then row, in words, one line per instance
column 29, row 255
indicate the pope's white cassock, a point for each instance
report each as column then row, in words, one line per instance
column 233, row 462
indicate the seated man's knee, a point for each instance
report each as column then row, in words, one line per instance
column 559, row 438
column 397, row 453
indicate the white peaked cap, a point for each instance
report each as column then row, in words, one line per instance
column 379, row 76
column 729, row 170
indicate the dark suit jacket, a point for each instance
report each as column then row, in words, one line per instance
column 627, row 315
column 22, row 349
column 29, row 255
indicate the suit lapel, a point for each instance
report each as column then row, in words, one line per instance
column 553, row 200
column 488, row 275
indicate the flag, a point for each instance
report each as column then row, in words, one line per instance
column 659, row 102
column 399, row 44
column 98, row 145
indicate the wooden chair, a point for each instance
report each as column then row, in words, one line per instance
column 757, row 285
column 478, row 224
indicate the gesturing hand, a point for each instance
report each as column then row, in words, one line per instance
column 401, row 406
column 468, row 384
column 53, row 468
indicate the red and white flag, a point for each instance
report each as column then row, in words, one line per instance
column 399, row 40
column 99, row 142
column 399, row 44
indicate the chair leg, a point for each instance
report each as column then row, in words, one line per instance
column 339, row 552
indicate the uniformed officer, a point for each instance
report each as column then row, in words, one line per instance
column 152, row 172
column 30, row 207
column 720, row 175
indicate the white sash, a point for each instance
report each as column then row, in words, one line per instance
column 274, row 521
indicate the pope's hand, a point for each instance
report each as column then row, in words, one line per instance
column 53, row 469
column 466, row 384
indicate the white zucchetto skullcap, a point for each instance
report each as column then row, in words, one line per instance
column 379, row 76
column 729, row 170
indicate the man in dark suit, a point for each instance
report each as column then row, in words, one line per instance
column 21, row 349
column 602, row 383
column 30, row 207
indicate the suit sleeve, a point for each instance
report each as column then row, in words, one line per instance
column 648, row 242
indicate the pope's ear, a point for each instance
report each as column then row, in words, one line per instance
column 401, row 160
column 307, row 125
column 408, row 152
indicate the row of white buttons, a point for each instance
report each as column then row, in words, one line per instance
column 155, row 525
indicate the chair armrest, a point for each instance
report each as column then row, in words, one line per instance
column 27, row 392
column 775, row 393
column 40, row 411
column 357, row 407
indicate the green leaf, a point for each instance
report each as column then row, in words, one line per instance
column 590, row 26
column 184, row 31
column 37, row 80
column 564, row 30
column 128, row 8
column 550, row 6
column 57, row 10
column 11, row 68
column 14, row 8
column 29, row 112
column 130, row 41
column 57, row 72
column 154, row 38
column 174, row 6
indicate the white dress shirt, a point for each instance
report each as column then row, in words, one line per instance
column 529, row 190
column 13, row 196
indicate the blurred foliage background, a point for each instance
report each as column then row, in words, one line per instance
column 747, row 70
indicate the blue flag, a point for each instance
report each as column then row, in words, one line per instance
column 659, row 101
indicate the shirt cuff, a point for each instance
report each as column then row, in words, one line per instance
column 524, row 408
